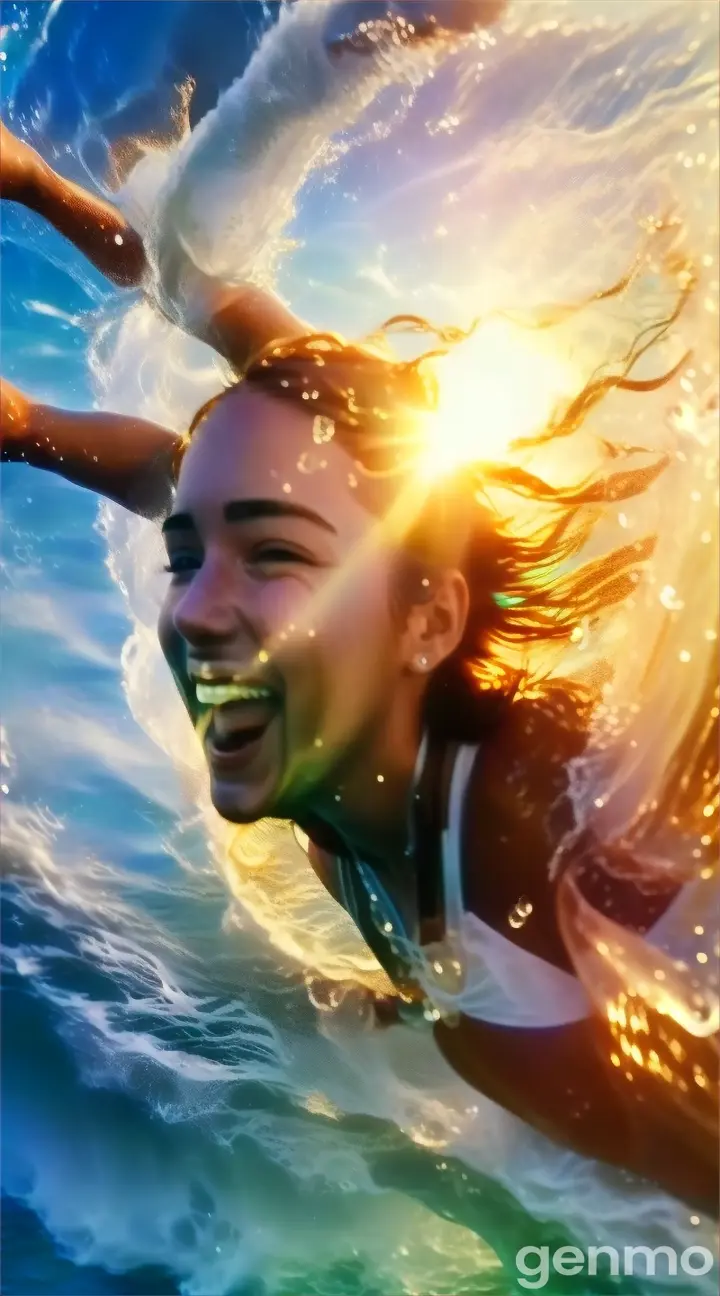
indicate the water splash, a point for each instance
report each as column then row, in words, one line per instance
column 517, row 173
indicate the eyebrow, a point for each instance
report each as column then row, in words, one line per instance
column 249, row 511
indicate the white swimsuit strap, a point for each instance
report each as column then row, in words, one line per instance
column 505, row 984
column 452, row 838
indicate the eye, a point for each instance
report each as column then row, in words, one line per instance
column 278, row 555
column 182, row 565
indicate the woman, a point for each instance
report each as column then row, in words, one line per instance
column 339, row 633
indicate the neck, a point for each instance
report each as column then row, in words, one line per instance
column 366, row 803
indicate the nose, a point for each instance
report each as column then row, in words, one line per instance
column 211, row 610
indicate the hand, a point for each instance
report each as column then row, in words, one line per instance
column 20, row 167
column 15, row 410
column 419, row 21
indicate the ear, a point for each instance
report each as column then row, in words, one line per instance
column 435, row 628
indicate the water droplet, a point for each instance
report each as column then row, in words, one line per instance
column 323, row 429
column 670, row 600
column 310, row 463
column 521, row 912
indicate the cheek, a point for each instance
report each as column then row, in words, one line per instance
column 282, row 605
column 170, row 640
column 173, row 648
column 356, row 625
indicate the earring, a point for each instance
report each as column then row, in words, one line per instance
column 422, row 663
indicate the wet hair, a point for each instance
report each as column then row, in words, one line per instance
column 526, row 596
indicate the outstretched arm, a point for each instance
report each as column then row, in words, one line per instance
column 235, row 321
column 127, row 460
column 238, row 321
column 95, row 227
column 124, row 459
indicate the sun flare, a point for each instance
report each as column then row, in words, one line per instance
column 501, row 384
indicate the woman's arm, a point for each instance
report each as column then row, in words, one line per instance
column 235, row 321
column 127, row 460
column 94, row 226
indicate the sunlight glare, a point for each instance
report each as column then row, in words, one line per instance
column 502, row 383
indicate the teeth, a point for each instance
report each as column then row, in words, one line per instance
column 217, row 694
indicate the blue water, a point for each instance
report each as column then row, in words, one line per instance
column 174, row 1119
column 90, row 61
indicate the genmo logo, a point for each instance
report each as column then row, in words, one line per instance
column 536, row 1263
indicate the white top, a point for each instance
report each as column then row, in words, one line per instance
column 475, row 971
column 500, row 983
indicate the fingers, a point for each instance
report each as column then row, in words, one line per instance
column 14, row 418
column 365, row 26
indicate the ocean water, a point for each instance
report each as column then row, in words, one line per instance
column 182, row 1110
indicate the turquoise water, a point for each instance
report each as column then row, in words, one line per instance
column 177, row 1114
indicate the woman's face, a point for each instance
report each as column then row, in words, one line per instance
column 277, row 622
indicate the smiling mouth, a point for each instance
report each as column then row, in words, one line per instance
column 242, row 711
column 237, row 727
column 217, row 695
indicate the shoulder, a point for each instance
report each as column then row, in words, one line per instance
column 621, row 885
column 517, row 811
column 519, row 790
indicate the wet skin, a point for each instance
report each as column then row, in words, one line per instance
column 280, row 578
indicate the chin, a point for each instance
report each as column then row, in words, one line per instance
column 243, row 803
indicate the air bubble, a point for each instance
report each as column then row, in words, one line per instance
column 323, row 429
column 519, row 915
